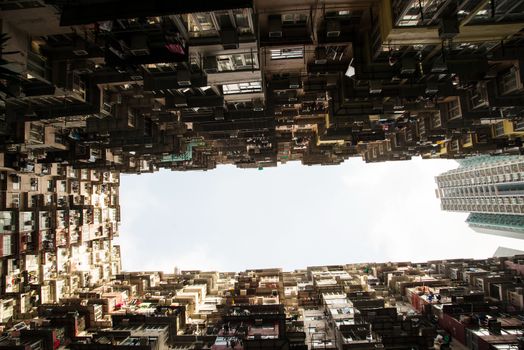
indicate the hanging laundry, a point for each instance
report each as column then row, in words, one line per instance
column 175, row 48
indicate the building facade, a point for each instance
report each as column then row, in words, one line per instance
column 93, row 89
column 257, row 83
column 491, row 189
column 474, row 304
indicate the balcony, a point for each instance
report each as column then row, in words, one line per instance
column 167, row 76
column 405, row 22
column 505, row 128
column 510, row 82
column 230, row 66
column 288, row 28
column 229, row 27
column 338, row 26
column 7, row 222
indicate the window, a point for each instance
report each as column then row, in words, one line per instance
column 294, row 19
column 16, row 182
column 239, row 19
column 406, row 16
column 409, row 20
column 280, row 54
column 508, row 81
column 335, row 14
column 36, row 133
column 36, row 63
column 236, row 62
column 242, row 88
column 437, row 123
column 479, row 97
column 499, row 129
column 79, row 87
column 34, row 184
column 519, row 125
column 243, row 21
column 15, row 200
column 454, row 109
column 202, row 25
column 455, row 145
column 466, row 138
column 6, row 244
column 131, row 118
column 201, row 22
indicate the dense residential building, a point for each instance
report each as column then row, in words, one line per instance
column 475, row 304
column 57, row 226
column 257, row 83
column 491, row 189
column 93, row 89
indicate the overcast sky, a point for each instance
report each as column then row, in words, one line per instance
column 292, row 217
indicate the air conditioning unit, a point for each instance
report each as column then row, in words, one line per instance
column 375, row 87
column 210, row 64
column 408, row 65
column 480, row 96
column 83, row 71
column 80, row 52
column 140, row 52
column 294, row 82
column 183, row 77
column 291, row 96
column 179, row 101
column 431, row 88
column 258, row 105
column 448, row 28
column 320, row 55
column 439, row 66
column 218, row 113
column 275, row 26
column 229, row 38
column 139, row 46
column 510, row 81
column 332, row 28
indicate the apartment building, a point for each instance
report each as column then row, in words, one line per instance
column 488, row 187
column 257, row 83
column 91, row 90
column 474, row 302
